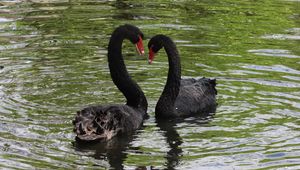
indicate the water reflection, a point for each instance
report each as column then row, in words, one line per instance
column 113, row 150
column 125, row 10
column 54, row 58
column 173, row 139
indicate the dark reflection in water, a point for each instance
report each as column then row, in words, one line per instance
column 113, row 150
column 121, row 4
column 125, row 11
column 173, row 139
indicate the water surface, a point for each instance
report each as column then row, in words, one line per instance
column 54, row 62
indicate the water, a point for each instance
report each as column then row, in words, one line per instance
column 54, row 58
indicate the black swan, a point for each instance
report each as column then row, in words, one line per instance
column 104, row 122
column 181, row 97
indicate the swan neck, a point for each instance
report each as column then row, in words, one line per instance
column 119, row 74
column 171, row 90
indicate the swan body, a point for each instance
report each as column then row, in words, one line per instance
column 196, row 98
column 103, row 122
column 181, row 97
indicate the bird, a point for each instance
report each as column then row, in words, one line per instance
column 181, row 97
column 103, row 122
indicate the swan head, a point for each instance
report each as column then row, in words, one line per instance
column 154, row 45
column 135, row 36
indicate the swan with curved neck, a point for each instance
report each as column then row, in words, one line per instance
column 106, row 121
column 181, row 97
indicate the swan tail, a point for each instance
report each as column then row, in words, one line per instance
column 213, row 83
column 97, row 123
column 208, row 85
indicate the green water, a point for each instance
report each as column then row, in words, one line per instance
column 54, row 58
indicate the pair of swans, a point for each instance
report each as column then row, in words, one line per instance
column 180, row 97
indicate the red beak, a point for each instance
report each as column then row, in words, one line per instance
column 140, row 47
column 151, row 55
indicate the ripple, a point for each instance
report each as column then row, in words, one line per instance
column 282, row 37
column 13, row 46
column 5, row 20
column 274, row 68
column 54, row 58
column 244, row 72
column 226, row 55
column 54, row 8
column 280, row 94
column 293, row 78
column 276, row 83
column 294, row 30
column 273, row 53
column 172, row 26
column 289, row 112
column 198, row 45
